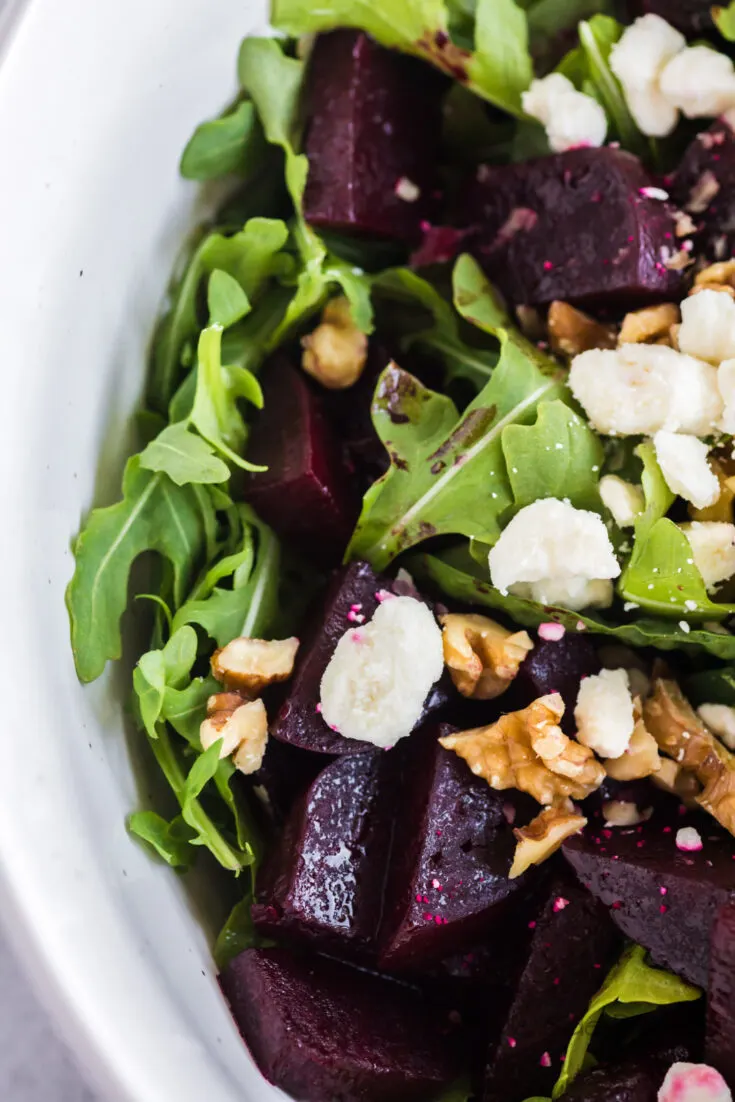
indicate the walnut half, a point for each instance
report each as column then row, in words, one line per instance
column 543, row 836
column 527, row 750
column 249, row 665
column 336, row 352
column 482, row 657
column 571, row 332
column 242, row 726
column 642, row 758
column 682, row 735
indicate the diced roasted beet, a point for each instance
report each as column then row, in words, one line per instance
column 322, row 1030
column 448, row 883
column 324, row 882
column 352, row 592
column 660, row 896
column 576, row 226
column 691, row 17
column 720, row 1035
column 573, row 944
column 349, row 411
column 372, row 139
column 630, row 1082
column 555, row 666
column 306, row 494
column 704, row 187
column 286, row 772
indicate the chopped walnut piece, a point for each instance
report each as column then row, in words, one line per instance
column 483, row 657
column 528, row 750
column 682, row 735
column 642, row 758
column 702, row 193
column 624, row 813
column 571, row 332
column 678, row 782
column 243, row 730
column 249, row 665
column 722, row 273
column 678, row 261
column 543, row 836
column 649, row 323
column 722, row 510
column 336, row 352
column 685, row 225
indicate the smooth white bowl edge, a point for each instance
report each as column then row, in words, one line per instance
column 96, row 102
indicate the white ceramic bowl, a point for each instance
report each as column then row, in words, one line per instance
column 97, row 98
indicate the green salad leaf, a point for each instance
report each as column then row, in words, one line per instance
column 226, row 299
column 635, row 985
column 597, row 38
column 711, row 687
column 725, row 20
column 661, row 576
column 231, row 143
column 462, row 583
column 171, row 840
column 184, row 456
column 498, row 68
column 237, row 934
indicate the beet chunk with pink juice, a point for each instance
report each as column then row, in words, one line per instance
column 720, row 1032
column 448, row 884
column 581, row 226
column 704, row 188
column 372, row 138
column 306, row 493
column 323, row 884
column 573, row 945
column 325, row 1032
column 351, row 599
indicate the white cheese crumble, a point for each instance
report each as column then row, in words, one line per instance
column 624, row 500
column 713, row 549
column 700, row 82
column 380, row 674
column 643, row 388
column 683, row 463
column 726, row 385
column 556, row 554
column 693, row 1083
column 604, row 713
column 571, row 118
column 708, row 326
column 720, row 718
column 638, row 60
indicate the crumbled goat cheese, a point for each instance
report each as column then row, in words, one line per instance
column 720, row 718
column 555, row 554
column 624, row 500
column 638, row 60
column 699, row 81
column 571, row 118
column 604, row 713
column 642, row 388
column 380, row 674
column 713, row 549
column 693, row 1083
column 683, row 463
column 726, row 385
column 708, row 326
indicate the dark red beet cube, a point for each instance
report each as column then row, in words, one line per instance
column 575, row 226
column 691, row 17
column 574, row 943
column 720, row 1035
column 448, row 883
column 322, row 1030
column 664, row 898
column 299, row 722
column 631, row 1082
column 704, row 187
column 372, row 139
column 285, row 774
column 555, row 666
column 306, row 494
column 324, row 882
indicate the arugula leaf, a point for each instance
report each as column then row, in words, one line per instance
column 170, row 840
column 154, row 515
column 442, row 334
column 251, row 256
column 631, row 981
column 231, row 143
column 548, row 18
column 711, row 687
column 237, row 934
column 184, row 708
column 661, row 576
column 249, row 606
column 597, row 38
column 184, row 457
column 215, row 413
column 498, row 70
column 461, row 1091
column 158, row 669
column 463, row 585
column 226, row 299
column 558, row 456
column 725, row 20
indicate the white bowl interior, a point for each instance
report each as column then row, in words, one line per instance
column 96, row 102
